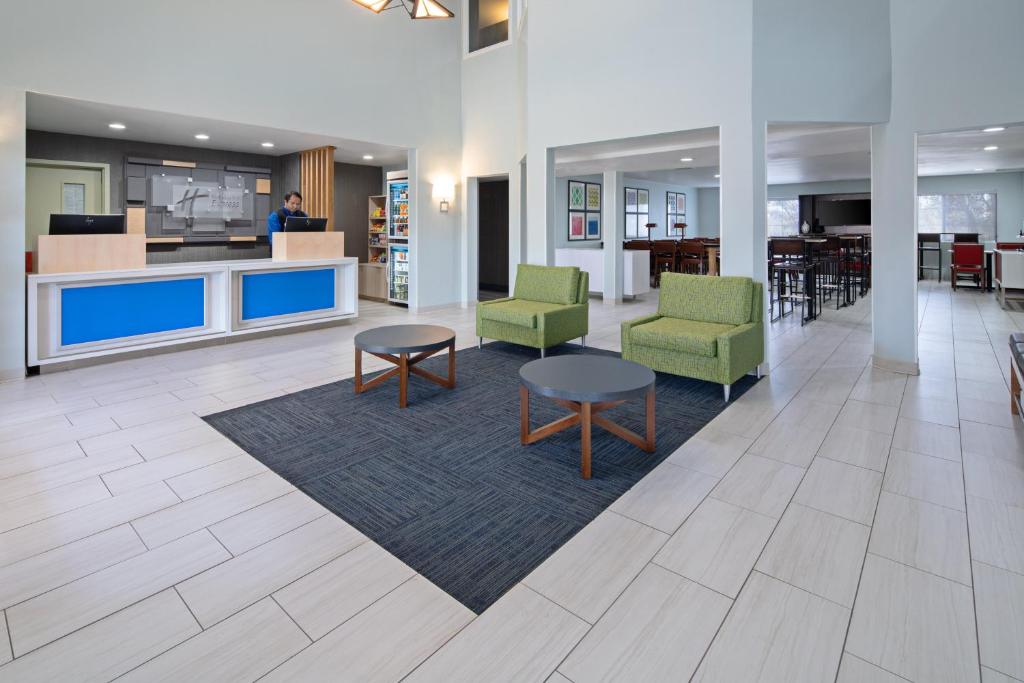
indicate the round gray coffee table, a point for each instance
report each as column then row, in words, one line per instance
column 394, row 344
column 586, row 385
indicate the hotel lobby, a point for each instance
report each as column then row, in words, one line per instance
column 595, row 341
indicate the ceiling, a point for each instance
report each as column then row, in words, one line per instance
column 796, row 153
column 78, row 117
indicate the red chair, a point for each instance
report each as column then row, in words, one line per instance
column 968, row 262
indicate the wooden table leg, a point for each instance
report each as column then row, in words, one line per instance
column 451, row 365
column 524, row 415
column 650, row 420
column 403, row 380
column 359, row 370
column 585, row 439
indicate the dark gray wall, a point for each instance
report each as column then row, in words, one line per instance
column 353, row 183
column 63, row 147
column 287, row 172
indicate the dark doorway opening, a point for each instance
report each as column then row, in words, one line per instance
column 492, row 258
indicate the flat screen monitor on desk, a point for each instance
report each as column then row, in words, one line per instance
column 86, row 224
column 296, row 224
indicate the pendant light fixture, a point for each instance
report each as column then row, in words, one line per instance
column 417, row 9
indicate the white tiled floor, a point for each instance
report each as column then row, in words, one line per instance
column 837, row 522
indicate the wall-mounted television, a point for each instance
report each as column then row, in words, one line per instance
column 836, row 210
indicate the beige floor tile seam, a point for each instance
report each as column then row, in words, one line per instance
column 411, row 578
column 117, row 611
column 590, row 626
column 57, row 514
column 10, row 640
column 166, row 482
column 332, row 558
column 891, row 673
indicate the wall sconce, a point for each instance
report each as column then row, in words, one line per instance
column 444, row 192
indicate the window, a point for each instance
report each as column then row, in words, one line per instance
column 637, row 213
column 488, row 23
column 783, row 217
column 675, row 213
column 971, row 212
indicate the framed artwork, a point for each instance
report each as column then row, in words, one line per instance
column 675, row 212
column 584, row 210
column 577, row 227
column 577, row 190
column 637, row 217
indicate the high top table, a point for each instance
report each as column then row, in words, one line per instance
column 394, row 343
column 586, row 385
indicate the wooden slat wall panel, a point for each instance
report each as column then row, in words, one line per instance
column 316, row 183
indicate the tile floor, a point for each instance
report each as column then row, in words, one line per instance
column 837, row 522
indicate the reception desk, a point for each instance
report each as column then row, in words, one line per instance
column 72, row 316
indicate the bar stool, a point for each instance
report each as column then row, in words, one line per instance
column 692, row 255
column 666, row 258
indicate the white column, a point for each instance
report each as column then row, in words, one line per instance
column 743, row 210
column 12, row 233
column 516, row 220
column 540, row 194
column 613, row 231
column 470, row 257
column 894, row 247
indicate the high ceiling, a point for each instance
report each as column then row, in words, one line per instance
column 78, row 117
column 796, row 153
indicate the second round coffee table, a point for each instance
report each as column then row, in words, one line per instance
column 586, row 385
column 394, row 344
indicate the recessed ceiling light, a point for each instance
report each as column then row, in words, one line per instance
column 368, row 157
column 718, row 175
column 202, row 136
column 994, row 129
column 267, row 144
column 978, row 170
column 685, row 159
column 117, row 126
column 991, row 148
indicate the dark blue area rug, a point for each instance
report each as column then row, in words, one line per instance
column 444, row 485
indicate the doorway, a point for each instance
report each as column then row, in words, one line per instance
column 492, row 251
column 62, row 187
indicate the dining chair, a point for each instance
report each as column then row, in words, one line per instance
column 968, row 262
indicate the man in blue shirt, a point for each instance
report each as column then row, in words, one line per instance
column 292, row 207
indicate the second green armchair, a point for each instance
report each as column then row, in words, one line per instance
column 549, row 306
column 706, row 327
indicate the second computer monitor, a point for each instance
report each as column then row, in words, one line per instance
column 86, row 224
column 297, row 224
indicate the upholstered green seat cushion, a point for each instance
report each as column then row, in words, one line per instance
column 550, row 284
column 517, row 312
column 681, row 336
column 705, row 298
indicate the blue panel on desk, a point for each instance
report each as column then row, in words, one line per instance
column 265, row 295
column 102, row 312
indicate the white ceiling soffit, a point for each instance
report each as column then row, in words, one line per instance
column 964, row 151
column 79, row 117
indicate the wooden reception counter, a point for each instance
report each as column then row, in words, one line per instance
column 77, row 315
column 305, row 246
column 89, row 253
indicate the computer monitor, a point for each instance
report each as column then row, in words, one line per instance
column 297, row 224
column 86, row 224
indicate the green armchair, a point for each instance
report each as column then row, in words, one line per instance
column 706, row 327
column 549, row 306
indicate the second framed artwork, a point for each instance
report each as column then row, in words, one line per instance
column 584, row 219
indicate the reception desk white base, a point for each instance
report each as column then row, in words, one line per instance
column 73, row 316
column 636, row 268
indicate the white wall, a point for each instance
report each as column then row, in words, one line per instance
column 159, row 56
column 934, row 43
column 629, row 57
